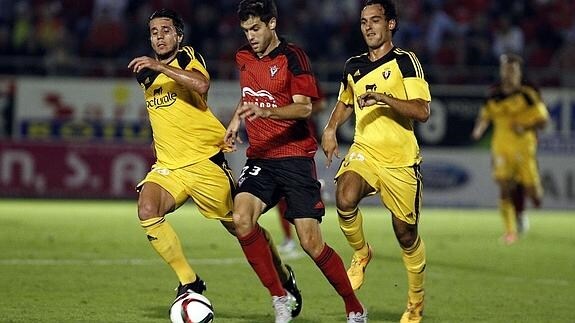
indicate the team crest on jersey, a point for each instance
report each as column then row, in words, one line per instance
column 274, row 70
column 386, row 74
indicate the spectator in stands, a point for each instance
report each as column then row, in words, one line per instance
column 508, row 37
column 107, row 35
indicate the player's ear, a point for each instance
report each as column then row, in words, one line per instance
column 272, row 23
column 180, row 38
column 391, row 24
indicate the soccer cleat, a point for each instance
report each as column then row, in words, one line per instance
column 291, row 286
column 198, row 286
column 356, row 271
column 357, row 317
column 413, row 313
column 283, row 306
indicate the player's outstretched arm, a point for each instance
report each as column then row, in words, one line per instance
column 479, row 128
column 190, row 79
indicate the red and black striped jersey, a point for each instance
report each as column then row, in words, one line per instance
column 270, row 82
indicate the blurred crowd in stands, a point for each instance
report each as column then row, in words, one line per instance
column 456, row 40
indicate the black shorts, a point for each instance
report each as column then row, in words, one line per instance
column 292, row 178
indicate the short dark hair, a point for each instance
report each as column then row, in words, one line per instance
column 264, row 9
column 171, row 14
column 389, row 8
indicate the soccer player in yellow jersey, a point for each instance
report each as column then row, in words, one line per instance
column 188, row 144
column 386, row 90
column 517, row 112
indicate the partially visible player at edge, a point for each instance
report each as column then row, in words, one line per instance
column 517, row 112
column 386, row 90
column 188, row 146
column 278, row 87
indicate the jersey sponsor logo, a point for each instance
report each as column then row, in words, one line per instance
column 261, row 98
column 370, row 87
column 161, row 100
column 274, row 70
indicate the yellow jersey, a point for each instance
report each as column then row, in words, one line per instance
column 380, row 131
column 185, row 130
column 523, row 107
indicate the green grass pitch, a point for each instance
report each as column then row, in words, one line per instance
column 89, row 261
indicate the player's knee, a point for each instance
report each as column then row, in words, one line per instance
column 407, row 239
column 346, row 201
column 147, row 210
column 311, row 245
column 243, row 224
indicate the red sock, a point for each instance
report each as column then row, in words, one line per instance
column 258, row 254
column 332, row 267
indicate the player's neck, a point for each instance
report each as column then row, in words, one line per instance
column 509, row 87
column 168, row 57
column 379, row 52
column 275, row 42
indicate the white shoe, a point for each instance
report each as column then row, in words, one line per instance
column 283, row 306
column 287, row 246
column 522, row 223
column 357, row 317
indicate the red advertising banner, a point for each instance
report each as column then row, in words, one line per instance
column 72, row 170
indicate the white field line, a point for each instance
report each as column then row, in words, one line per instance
column 129, row 262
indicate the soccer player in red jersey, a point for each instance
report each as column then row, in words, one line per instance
column 278, row 87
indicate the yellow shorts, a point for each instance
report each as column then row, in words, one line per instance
column 400, row 188
column 209, row 183
column 517, row 166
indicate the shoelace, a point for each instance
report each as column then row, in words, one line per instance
column 355, row 264
column 355, row 317
column 282, row 306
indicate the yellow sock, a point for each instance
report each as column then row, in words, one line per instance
column 507, row 210
column 280, row 268
column 351, row 224
column 414, row 261
column 165, row 241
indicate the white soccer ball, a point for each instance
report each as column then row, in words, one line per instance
column 192, row 308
